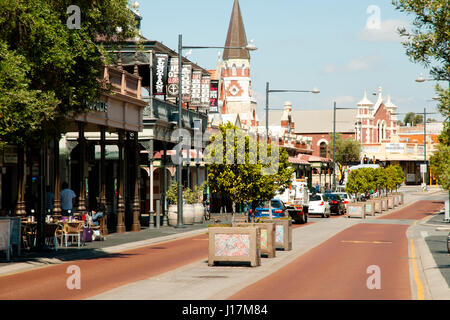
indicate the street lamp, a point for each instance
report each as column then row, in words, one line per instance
column 334, row 140
column 314, row 90
column 250, row 47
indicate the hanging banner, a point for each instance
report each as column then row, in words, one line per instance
column 161, row 62
column 206, row 83
column 186, row 82
column 214, row 96
column 196, row 93
column 172, row 81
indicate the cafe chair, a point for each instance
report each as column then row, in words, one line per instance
column 73, row 230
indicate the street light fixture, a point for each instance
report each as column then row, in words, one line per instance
column 314, row 90
column 250, row 47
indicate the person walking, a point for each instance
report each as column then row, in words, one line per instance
column 67, row 197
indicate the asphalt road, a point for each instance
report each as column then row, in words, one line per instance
column 341, row 267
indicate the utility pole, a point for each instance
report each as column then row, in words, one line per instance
column 334, row 147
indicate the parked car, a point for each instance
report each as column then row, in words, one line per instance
column 337, row 204
column 262, row 209
column 318, row 204
column 347, row 198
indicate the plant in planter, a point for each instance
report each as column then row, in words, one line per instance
column 172, row 197
column 188, row 207
column 199, row 209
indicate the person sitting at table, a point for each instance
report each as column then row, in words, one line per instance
column 67, row 197
column 98, row 214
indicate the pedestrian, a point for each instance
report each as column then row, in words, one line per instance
column 317, row 188
column 49, row 197
column 67, row 199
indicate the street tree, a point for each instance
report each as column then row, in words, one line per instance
column 380, row 179
column 409, row 118
column 48, row 71
column 347, row 151
column 428, row 44
column 244, row 180
column 361, row 181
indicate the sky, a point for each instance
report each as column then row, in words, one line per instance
column 341, row 47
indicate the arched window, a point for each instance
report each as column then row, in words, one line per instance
column 323, row 150
column 243, row 70
column 233, row 70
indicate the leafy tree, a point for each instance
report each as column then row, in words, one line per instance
column 418, row 119
column 380, row 179
column 399, row 175
column 347, row 151
column 244, row 180
column 428, row 44
column 409, row 118
column 48, row 71
column 360, row 181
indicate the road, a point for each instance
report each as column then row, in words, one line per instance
column 338, row 268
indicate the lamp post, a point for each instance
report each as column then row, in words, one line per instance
column 334, row 140
column 315, row 91
column 250, row 47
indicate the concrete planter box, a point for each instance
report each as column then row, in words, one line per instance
column 267, row 236
column 370, row 208
column 283, row 233
column 233, row 244
column 356, row 210
column 384, row 204
column 390, row 201
column 377, row 206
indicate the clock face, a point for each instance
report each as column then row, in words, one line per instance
column 234, row 90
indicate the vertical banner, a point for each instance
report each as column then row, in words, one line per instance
column 196, row 93
column 172, row 81
column 214, row 96
column 160, row 65
column 186, row 82
column 206, row 82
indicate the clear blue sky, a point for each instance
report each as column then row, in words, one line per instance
column 302, row 44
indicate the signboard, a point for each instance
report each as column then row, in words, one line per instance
column 186, row 82
column 423, row 168
column 99, row 106
column 206, row 83
column 214, row 96
column 111, row 152
column 10, row 154
column 172, row 80
column 160, row 75
column 196, row 89
column 395, row 147
column 410, row 177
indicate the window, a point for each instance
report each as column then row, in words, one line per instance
column 323, row 149
column 233, row 70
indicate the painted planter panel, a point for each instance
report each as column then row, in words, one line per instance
column 377, row 205
column 384, row 204
column 283, row 233
column 390, row 201
column 396, row 201
column 356, row 210
column 267, row 236
column 231, row 245
column 370, row 208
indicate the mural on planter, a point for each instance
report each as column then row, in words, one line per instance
column 263, row 239
column 279, row 233
column 231, row 245
column 354, row 210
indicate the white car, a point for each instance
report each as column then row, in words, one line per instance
column 318, row 204
column 346, row 197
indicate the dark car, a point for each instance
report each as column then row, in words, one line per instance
column 262, row 209
column 337, row 204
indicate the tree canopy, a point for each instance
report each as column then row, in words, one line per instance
column 48, row 71
column 347, row 151
column 245, row 180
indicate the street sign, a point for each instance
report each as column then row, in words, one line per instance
column 423, row 168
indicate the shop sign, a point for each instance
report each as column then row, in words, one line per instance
column 160, row 75
column 10, row 154
column 111, row 152
column 214, row 96
column 196, row 92
column 172, row 80
column 395, row 147
column 186, row 82
column 206, row 84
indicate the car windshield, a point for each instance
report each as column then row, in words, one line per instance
column 343, row 195
column 315, row 198
column 332, row 196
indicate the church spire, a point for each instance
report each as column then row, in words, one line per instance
column 236, row 36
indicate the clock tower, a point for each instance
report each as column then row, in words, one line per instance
column 236, row 72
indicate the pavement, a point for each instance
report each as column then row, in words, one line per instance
column 198, row 281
